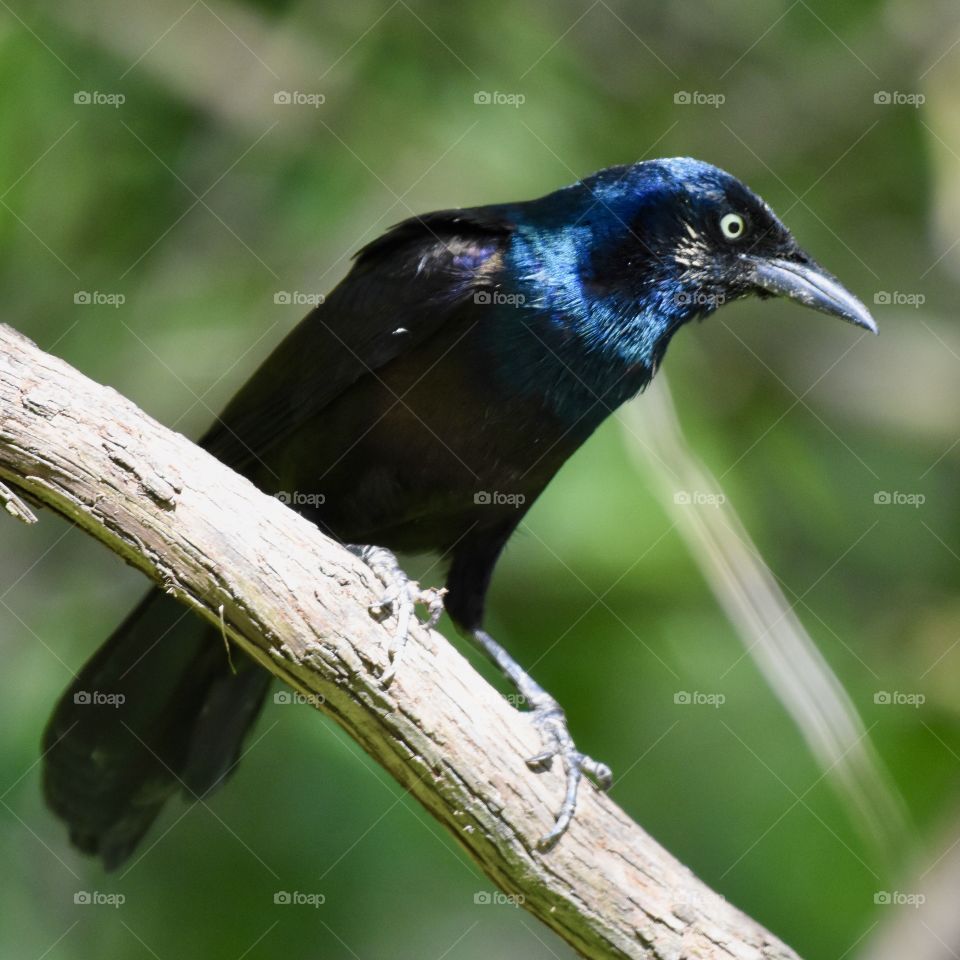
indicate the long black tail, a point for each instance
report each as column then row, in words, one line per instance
column 157, row 708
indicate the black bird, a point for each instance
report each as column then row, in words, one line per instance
column 467, row 354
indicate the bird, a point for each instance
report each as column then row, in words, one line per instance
column 422, row 407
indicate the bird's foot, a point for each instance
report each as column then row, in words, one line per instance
column 401, row 597
column 549, row 718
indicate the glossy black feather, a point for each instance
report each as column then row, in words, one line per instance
column 372, row 317
column 423, row 407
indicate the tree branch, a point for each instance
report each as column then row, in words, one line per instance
column 297, row 602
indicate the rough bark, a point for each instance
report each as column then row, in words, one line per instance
column 297, row 602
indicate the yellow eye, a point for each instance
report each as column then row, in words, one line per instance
column 732, row 226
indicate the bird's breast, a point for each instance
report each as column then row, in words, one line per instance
column 433, row 444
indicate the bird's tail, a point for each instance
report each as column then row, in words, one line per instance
column 158, row 707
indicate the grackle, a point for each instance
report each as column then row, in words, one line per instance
column 423, row 407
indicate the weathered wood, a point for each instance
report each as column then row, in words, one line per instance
column 298, row 601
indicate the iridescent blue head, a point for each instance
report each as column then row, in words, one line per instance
column 614, row 265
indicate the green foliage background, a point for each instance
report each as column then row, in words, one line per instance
column 199, row 198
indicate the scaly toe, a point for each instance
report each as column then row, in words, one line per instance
column 403, row 601
column 557, row 742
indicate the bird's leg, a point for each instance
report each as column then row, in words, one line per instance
column 550, row 719
column 401, row 597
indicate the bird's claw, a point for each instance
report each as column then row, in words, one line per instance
column 403, row 602
column 549, row 718
column 401, row 597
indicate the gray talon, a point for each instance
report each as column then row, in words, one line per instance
column 401, row 597
column 552, row 724
column 551, row 721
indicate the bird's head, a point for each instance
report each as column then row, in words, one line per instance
column 608, row 269
column 690, row 237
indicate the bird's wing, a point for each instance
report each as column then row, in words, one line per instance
column 401, row 289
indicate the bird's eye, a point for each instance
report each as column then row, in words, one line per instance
column 732, row 226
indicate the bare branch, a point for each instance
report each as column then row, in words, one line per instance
column 297, row 602
column 15, row 506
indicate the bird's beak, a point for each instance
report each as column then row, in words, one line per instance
column 809, row 284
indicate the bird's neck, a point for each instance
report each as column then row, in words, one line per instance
column 584, row 347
